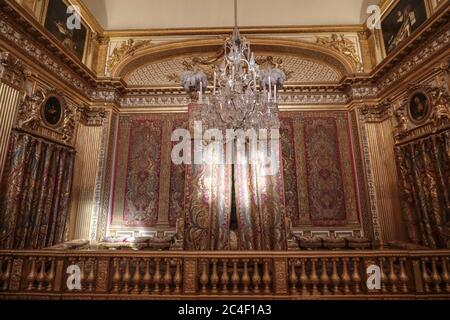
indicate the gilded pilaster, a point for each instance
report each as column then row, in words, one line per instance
column 12, row 79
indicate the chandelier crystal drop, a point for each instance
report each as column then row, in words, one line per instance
column 243, row 96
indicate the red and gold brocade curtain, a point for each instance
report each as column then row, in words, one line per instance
column 259, row 199
column 424, row 169
column 34, row 193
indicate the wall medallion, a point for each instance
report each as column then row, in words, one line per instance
column 52, row 111
column 419, row 108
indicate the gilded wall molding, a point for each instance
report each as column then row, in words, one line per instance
column 92, row 117
column 126, row 49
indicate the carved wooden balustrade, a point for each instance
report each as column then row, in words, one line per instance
column 222, row 275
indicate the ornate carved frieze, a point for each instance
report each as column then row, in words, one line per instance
column 344, row 46
column 12, row 70
column 376, row 113
column 363, row 92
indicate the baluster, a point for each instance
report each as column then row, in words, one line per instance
column 392, row 276
column 435, row 277
column 245, row 277
column 304, row 280
column 345, row 276
column 7, row 274
column 445, row 274
column 157, row 276
column 293, row 278
column 235, row 277
column 356, row 278
column 137, row 276
column 403, row 276
column 126, row 276
column 51, row 275
column 116, row 277
column 41, row 275
column 2, row 259
column 32, row 275
column 266, row 278
column 167, row 277
column 204, row 276
column 82, row 272
column 425, row 276
column 324, row 278
column 383, row 276
column 335, row 279
column 256, row 279
column 225, row 277
column 314, row 279
column 214, row 277
column 178, row 278
column 91, row 276
column 147, row 277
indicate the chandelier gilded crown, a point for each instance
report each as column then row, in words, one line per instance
column 243, row 96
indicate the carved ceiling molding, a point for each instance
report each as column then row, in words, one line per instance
column 168, row 72
column 343, row 45
column 307, row 50
column 126, row 49
column 438, row 119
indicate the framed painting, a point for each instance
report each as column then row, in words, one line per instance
column 419, row 108
column 402, row 21
column 56, row 23
column 52, row 111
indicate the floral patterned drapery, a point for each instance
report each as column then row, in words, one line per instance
column 424, row 169
column 34, row 193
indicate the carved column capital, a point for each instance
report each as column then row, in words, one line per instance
column 377, row 113
column 92, row 117
column 12, row 70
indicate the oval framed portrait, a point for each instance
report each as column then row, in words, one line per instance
column 52, row 111
column 419, row 108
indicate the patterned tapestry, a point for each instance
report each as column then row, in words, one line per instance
column 319, row 169
column 148, row 188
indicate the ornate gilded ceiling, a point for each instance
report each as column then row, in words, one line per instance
column 167, row 72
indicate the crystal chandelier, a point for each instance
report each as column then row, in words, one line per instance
column 243, row 96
